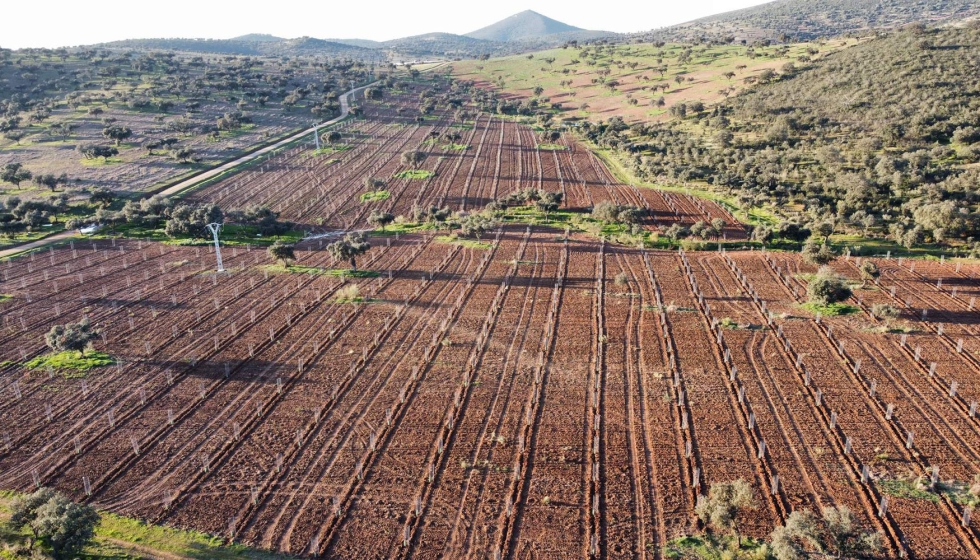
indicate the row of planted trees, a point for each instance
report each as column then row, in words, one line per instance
column 347, row 249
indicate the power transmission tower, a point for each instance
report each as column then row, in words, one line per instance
column 214, row 229
column 316, row 135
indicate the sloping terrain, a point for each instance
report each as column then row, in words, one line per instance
column 882, row 136
column 537, row 392
column 810, row 19
column 599, row 82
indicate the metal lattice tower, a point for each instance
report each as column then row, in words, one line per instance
column 214, row 229
column 316, row 135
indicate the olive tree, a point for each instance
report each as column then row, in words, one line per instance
column 617, row 214
column 476, row 225
column 349, row 248
column 835, row 534
column 282, row 253
column 827, row 287
column 548, row 203
column 869, row 271
column 55, row 521
column 816, row 254
column 412, row 158
column 191, row 219
column 380, row 219
column 102, row 197
column 74, row 337
column 373, row 183
column 719, row 511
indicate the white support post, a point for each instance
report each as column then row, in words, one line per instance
column 214, row 229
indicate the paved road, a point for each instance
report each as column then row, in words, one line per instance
column 189, row 183
column 39, row 243
column 184, row 185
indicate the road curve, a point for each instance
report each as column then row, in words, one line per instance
column 200, row 177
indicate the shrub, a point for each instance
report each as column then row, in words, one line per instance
column 719, row 511
column 349, row 294
column 55, row 521
column 827, row 288
column 617, row 214
column 884, row 311
column 869, row 271
column 74, row 337
column 282, row 253
column 817, row 254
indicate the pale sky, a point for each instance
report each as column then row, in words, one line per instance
column 73, row 22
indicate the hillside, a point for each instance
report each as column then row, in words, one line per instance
column 810, row 19
column 629, row 81
column 247, row 45
column 440, row 44
column 363, row 43
column 525, row 25
column 257, row 38
column 880, row 137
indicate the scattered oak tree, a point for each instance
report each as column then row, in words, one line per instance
column 14, row 173
column 116, row 133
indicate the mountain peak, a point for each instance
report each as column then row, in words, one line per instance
column 525, row 25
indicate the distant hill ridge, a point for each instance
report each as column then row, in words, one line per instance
column 809, row 19
column 525, row 25
column 521, row 32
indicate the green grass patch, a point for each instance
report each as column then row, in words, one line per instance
column 70, row 363
column 335, row 272
column 414, row 174
column 293, row 269
column 5, row 297
column 468, row 243
column 552, row 147
column 330, row 150
column 756, row 215
column 101, row 162
column 401, row 228
column 860, row 245
column 231, row 235
column 375, row 196
column 831, row 310
column 729, row 323
column 713, row 547
column 455, row 147
column 116, row 531
column 28, row 236
column 124, row 538
column 909, row 489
